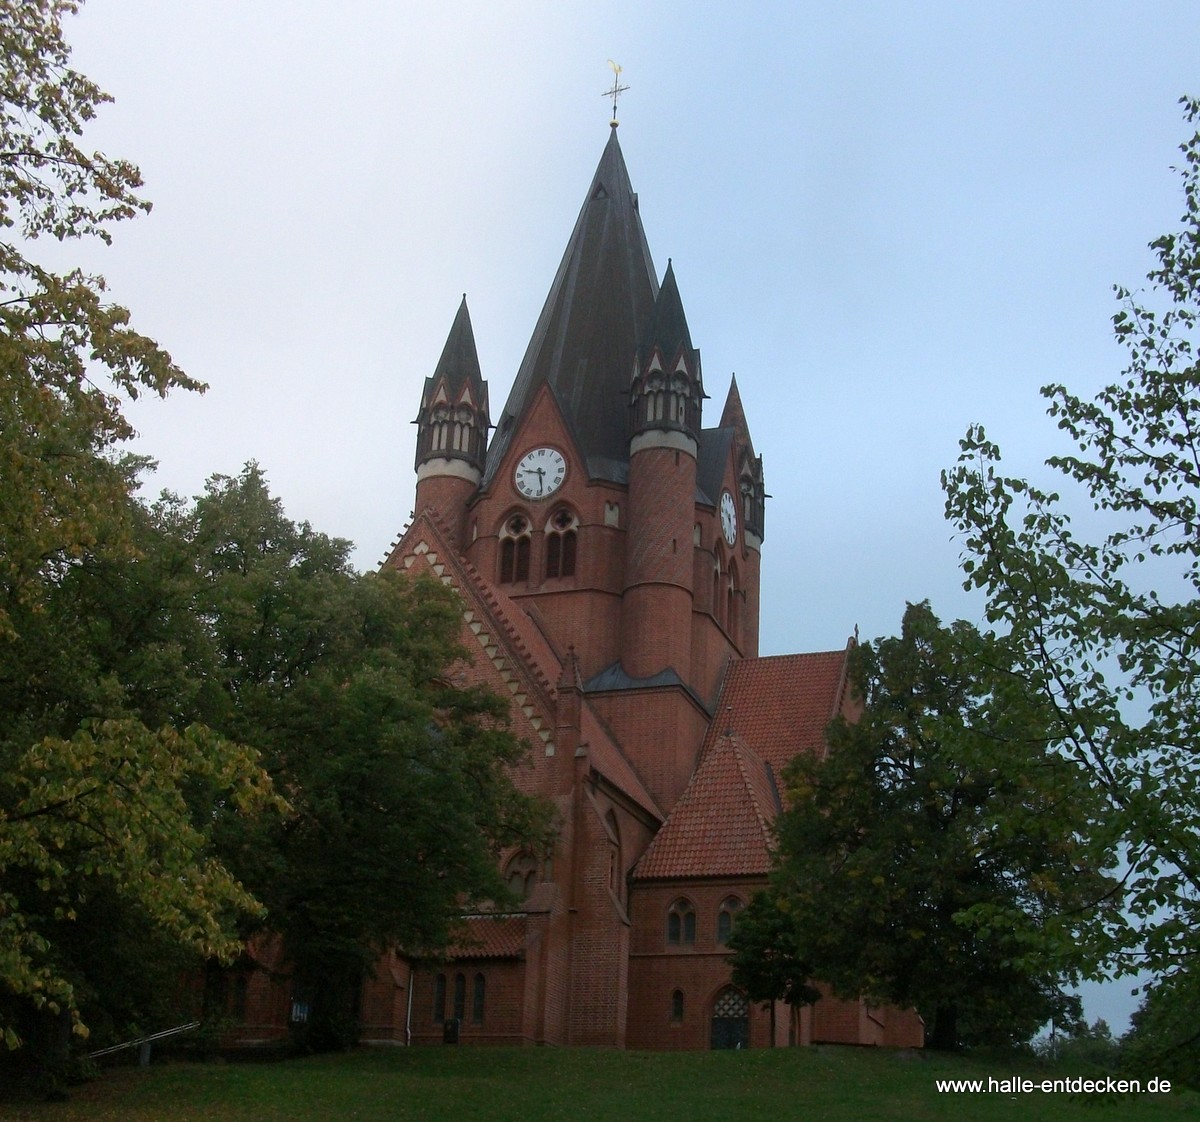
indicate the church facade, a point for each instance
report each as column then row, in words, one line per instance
column 606, row 546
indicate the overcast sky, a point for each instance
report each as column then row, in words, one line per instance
column 890, row 220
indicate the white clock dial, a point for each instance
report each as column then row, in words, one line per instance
column 540, row 472
column 728, row 517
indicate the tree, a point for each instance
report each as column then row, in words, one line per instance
column 937, row 855
column 92, row 799
column 1105, row 622
column 1164, row 1039
column 399, row 774
column 766, row 961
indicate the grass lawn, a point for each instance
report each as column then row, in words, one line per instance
column 537, row 1085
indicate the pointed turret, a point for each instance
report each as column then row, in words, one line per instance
column 593, row 320
column 750, row 468
column 452, row 426
column 666, row 391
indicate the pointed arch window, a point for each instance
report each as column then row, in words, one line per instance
column 515, row 537
column 681, row 924
column 439, row 999
column 460, row 997
column 521, row 875
column 732, row 593
column 730, row 907
column 731, row 1019
column 677, row 1006
column 478, row 995
column 562, row 537
column 441, row 428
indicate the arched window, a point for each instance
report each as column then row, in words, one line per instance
column 677, row 1006
column 616, row 878
column 477, row 999
column 561, row 543
column 439, row 999
column 731, row 601
column 730, row 907
column 681, row 924
column 460, row 997
column 522, row 875
column 514, row 549
column 731, row 1019
column 717, row 597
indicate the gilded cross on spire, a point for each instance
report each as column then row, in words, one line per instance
column 616, row 91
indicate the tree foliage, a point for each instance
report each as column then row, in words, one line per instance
column 398, row 773
column 1104, row 621
column 92, row 798
column 936, row 856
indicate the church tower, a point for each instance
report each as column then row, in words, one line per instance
column 452, row 428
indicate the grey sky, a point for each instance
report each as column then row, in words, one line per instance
column 890, row 220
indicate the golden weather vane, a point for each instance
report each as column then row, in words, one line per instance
column 616, row 91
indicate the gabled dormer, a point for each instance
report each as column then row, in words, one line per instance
column 666, row 391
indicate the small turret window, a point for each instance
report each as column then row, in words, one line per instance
column 514, row 549
column 561, row 543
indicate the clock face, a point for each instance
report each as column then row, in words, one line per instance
column 728, row 517
column 540, row 473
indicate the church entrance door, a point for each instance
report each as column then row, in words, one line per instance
column 731, row 1020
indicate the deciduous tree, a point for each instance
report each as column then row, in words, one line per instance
column 937, row 856
column 1104, row 622
column 91, row 797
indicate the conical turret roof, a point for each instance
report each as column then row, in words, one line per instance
column 595, row 316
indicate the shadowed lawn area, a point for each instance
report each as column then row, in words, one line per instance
column 537, row 1085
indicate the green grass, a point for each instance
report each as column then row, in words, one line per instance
column 539, row 1085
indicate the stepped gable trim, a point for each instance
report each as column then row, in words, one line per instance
column 691, row 844
column 525, row 654
column 510, row 651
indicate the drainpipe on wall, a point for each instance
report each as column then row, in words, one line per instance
column 408, row 1012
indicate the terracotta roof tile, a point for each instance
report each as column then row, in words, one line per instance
column 781, row 705
column 490, row 937
column 721, row 825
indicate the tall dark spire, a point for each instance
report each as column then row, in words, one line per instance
column 586, row 339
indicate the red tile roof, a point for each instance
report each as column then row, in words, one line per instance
column 721, row 825
column 490, row 937
column 780, row 706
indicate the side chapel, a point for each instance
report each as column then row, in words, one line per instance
column 606, row 546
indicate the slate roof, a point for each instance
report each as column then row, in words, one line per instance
column 595, row 315
column 780, row 705
column 721, row 825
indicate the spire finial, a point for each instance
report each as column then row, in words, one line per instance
column 616, row 91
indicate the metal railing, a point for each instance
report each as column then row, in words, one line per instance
column 144, row 1042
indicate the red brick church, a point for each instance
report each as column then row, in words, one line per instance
column 606, row 545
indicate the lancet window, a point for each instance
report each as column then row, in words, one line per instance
column 562, row 535
column 515, row 537
column 681, row 924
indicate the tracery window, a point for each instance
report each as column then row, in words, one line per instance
column 681, row 924
column 730, row 907
column 514, row 549
column 561, row 543
column 522, row 875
